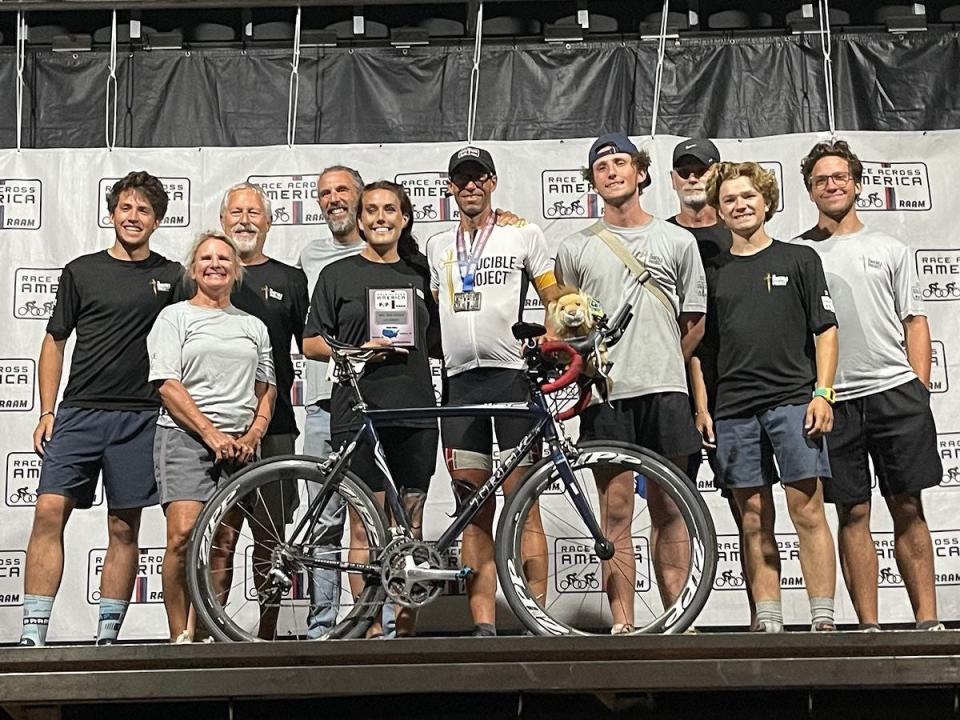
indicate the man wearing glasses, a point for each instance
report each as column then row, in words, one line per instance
column 883, row 405
column 480, row 272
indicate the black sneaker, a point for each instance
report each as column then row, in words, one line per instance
column 484, row 630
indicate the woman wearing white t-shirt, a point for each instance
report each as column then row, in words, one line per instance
column 213, row 367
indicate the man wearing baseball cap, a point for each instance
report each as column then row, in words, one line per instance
column 692, row 158
column 480, row 272
column 649, row 404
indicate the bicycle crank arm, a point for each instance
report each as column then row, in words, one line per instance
column 417, row 574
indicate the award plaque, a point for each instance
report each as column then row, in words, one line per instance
column 392, row 315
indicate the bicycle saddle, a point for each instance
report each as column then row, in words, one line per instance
column 527, row 331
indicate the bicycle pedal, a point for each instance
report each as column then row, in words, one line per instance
column 465, row 572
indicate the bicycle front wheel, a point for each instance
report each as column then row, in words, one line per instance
column 251, row 576
column 653, row 575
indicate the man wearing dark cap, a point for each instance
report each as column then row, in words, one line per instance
column 480, row 272
column 649, row 404
column 692, row 158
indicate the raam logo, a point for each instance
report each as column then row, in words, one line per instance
column 35, row 292
column 23, row 477
column 939, row 382
column 578, row 567
column 293, row 198
column 730, row 573
column 946, row 551
column 894, row 186
column 949, row 446
column 178, row 194
column 939, row 274
column 17, row 381
column 428, row 193
column 147, row 588
column 566, row 195
column 12, row 563
column 20, row 204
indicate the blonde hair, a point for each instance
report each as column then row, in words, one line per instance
column 191, row 259
column 765, row 181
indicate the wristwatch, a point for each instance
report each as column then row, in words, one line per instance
column 827, row 393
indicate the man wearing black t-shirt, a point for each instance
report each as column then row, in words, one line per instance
column 771, row 301
column 275, row 293
column 692, row 159
column 107, row 417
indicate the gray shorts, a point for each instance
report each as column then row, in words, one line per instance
column 746, row 448
column 185, row 468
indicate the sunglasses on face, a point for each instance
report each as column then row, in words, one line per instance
column 461, row 180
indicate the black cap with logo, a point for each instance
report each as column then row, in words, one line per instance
column 699, row 149
column 471, row 154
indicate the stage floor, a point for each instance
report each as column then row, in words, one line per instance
column 613, row 669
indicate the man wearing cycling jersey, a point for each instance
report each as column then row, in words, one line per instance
column 883, row 404
column 649, row 397
column 479, row 274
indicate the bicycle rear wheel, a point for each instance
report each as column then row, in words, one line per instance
column 248, row 577
column 656, row 580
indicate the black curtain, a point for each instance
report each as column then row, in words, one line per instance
column 719, row 87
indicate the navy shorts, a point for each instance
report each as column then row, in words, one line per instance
column 661, row 422
column 117, row 442
column 485, row 385
column 411, row 456
column 747, row 447
column 896, row 429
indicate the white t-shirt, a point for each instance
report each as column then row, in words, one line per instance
column 217, row 355
column 648, row 358
column 483, row 338
column 314, row 257
column 874, row 286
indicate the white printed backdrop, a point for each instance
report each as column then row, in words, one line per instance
column 52, row 209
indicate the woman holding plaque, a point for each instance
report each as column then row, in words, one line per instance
column 381, row 297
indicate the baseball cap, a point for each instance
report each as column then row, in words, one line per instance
column 471, row 154
column 610, row 144
column 698, row 148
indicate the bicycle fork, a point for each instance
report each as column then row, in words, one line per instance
column 602, row 545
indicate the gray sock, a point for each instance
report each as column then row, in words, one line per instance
column 36, row 618
column 821, row 610
column 770, row 616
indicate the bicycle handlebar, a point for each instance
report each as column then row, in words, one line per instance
column 573, row 370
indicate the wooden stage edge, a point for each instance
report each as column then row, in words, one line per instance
column 688, row 663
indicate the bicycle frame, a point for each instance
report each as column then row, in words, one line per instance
column 543, row 424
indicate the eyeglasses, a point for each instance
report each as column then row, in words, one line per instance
column 461, row 180
column 840, row 179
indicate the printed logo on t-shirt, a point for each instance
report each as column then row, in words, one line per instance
column 773, row 280
column 35, row 292
column 567, row 196
column 17, row 384
column 949, row 446
column 873, row 264
column 428, row 193
column 159, row 286
column 178, row 196
column 827, row 302
column 12, row 563
column 894, row 186
column 147, row 588
column 939, row 274
column 270, row 294
column 939, row 382
column 20, row 204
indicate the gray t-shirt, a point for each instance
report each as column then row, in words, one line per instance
column 648, row 358
column 217, row 355
column 314, row 257
column 874, row 286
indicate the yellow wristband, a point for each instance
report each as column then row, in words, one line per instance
column 827, row 393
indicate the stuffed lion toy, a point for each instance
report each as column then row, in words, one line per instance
column 573, row 315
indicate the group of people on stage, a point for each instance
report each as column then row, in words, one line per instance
column 766, row 353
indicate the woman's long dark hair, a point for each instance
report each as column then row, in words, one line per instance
column 407, row 247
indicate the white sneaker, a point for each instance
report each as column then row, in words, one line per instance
column 183, row 638
column 936, row 628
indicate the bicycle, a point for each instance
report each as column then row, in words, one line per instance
column 410, row 572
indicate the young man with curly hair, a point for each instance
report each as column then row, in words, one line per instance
column 776, row 338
